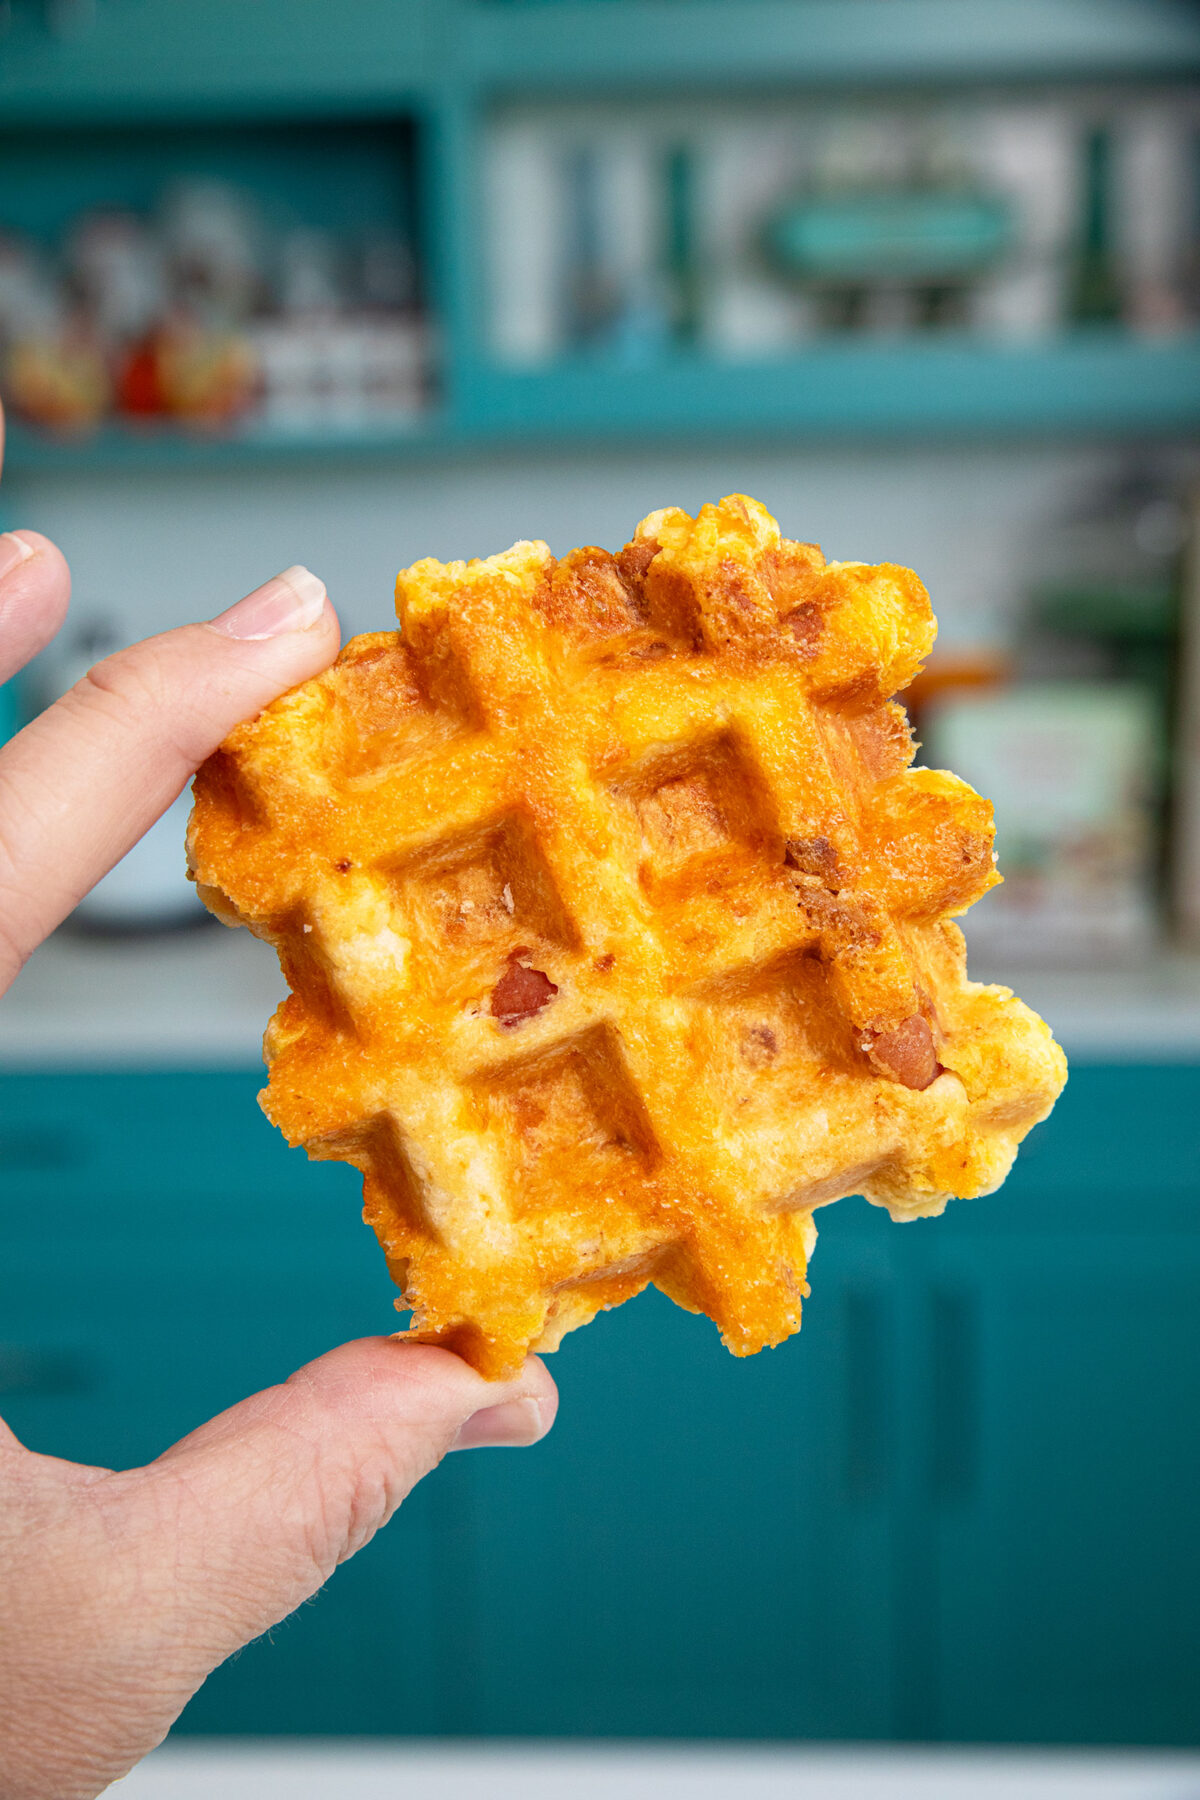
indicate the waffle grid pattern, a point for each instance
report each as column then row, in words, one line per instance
column 617, row 928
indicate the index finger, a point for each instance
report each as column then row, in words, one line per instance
column 81, row 784
column 35, row 588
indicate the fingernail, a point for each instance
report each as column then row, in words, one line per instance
column 512, row 1422
column 292, row 601
column 13, row 552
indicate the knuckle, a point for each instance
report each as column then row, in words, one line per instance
column 349, row 1509
column 140, row 688
column 130, row 679
column 352, row 1503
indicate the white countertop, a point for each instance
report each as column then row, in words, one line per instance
column 203, row 998
column 197, row 999
column 346, row 1770
column 1146, row 1012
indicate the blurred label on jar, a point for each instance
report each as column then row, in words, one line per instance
column 1069, row 768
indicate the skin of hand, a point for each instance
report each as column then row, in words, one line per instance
column 121, row 1590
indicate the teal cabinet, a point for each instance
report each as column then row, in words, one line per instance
column 705, row 1545
column 960, row 1505
column 162, row 1253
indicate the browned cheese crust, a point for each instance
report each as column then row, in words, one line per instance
column 618, row 929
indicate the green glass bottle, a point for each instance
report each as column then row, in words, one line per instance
column 682, row 250
column 1094, row 295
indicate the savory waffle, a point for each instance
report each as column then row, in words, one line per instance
column 617, row 928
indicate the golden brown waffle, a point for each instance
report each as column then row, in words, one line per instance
column 618, row 931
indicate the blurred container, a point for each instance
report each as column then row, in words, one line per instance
column 1028, row 153
column 1104, row 592
column 684, row 256
column 912, row 237
column 592, row 296
column 330, row 375
column 1067, row 768
column 217, row 310
column 1155, row 183
column 118, row 267
column 214, row 242
column 526, row 221
column 1185, row 858
column 748, row 311
column 1103, row 616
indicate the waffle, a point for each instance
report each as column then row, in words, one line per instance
column 618, row 929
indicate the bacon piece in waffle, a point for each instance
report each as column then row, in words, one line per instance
column 617, row 927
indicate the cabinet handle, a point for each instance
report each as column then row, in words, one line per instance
column 954, row 1443
column 30, row 1150
column 865, row 1458
column 26, row 1369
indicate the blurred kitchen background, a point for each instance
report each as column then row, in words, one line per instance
column 352, row 285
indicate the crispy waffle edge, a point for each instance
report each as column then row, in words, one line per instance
column 619, row 929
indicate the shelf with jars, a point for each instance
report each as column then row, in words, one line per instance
column 414, row 243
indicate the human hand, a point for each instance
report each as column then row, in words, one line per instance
column 120, row 1591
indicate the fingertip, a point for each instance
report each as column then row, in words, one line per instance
column 295, row 600
column 286, row 631
column 514, row 1424
column 35, row 591
column 425, row 1380
column 119, row 746
column 52, row 566
column 538, row 1383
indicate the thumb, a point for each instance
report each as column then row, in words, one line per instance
column 268, row 1498
column 123, row 1591
column 82, row 783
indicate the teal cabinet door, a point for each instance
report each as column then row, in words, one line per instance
column 1063, row 1449
column 1065, row 1482
column 703, row 1546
